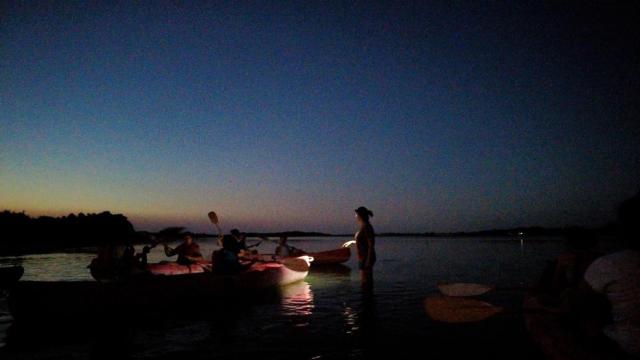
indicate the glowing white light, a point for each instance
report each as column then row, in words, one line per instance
column 349, row 243
column 308, row 259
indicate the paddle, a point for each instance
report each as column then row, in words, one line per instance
column 214, row 220
column 459, row 310
column 463, row 289
column 471, row 289
column 451, row 309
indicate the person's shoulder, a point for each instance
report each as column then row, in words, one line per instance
column 618, row 257
column 604, row 261
column 609, row 267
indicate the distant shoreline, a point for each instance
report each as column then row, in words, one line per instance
column 77, row 233
column 512, row 232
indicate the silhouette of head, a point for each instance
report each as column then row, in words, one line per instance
column 187, row 239
column 580, row 239
column 629, row 221
column 282, row 240
column 363, row 214
column 228, row 242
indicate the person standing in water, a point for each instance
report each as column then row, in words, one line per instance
column 365, row 240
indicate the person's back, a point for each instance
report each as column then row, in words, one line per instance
column 617, row 276
column 225, row 260
column 365, row 243
column 282, row 251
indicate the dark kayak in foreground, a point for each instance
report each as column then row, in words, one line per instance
column 10, row 275
column 170, row 286
column 558, row 339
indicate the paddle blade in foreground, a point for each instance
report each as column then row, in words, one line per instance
column 459, row 310
column 463, row 289
column 300, row 263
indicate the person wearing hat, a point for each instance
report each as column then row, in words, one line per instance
column 365, row 240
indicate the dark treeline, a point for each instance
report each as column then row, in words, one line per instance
column 23, row 234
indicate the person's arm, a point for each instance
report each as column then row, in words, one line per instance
column 593, row 309
column 169, row 251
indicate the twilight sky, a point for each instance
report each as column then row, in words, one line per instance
column 457, row 116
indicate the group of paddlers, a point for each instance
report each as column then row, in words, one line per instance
column 233, row 256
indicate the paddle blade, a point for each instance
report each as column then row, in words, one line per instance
column 459, row 310
column 463, row 289
column 300, row 263
column 213, row 217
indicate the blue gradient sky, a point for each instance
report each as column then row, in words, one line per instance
column 438, row 118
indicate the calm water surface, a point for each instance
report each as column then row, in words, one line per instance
column 329, row 315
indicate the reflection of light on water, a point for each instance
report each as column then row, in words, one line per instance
column 297, row 299
column 53, row 267
column 351, row 318
column 5, row 318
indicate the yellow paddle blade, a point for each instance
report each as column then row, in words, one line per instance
column 463, row 289
column 213, row 217
column 459, row 310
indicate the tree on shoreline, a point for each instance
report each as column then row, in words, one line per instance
column 24, row 234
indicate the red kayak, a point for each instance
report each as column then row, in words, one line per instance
column 337, row 256
column 328, row 257
column 259, row 274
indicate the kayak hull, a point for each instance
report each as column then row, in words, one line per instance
column 34, row 299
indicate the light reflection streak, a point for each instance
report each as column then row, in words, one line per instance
column 297, row 299
column 351, row 319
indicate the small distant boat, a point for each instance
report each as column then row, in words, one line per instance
column 10, row 275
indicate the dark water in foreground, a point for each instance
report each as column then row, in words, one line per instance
column 327, row 316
